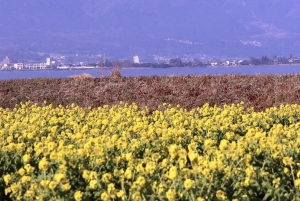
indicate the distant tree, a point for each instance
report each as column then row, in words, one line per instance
column 136, row 65
column 188, row 64
column 161, row 65
column 255, row 61
column 197, row 62
column 176, row 62
column 164, row 65
column 266, row 60
column 108, row 63
column 282, row 60
column 101, row 66
column 92, row 64
column 150, row 65
column 244, row 62
column 116, row 72
column 126, row 63
column 296, row 61
column 117, row 64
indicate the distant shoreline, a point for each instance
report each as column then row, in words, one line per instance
column 111, row 68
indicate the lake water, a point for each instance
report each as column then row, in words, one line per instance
column 245, row 70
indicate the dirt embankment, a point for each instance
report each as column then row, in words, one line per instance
column 258, row 91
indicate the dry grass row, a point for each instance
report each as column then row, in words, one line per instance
column 258, row 91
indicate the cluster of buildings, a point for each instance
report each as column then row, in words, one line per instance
column 7, row 64
column 58, row 62
column 68, row 62
column 226, row 63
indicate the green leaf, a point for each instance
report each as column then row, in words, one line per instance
column 268, row 195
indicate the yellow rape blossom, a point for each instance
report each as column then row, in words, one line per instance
column 43, row 164
column 298, row 174
column 66, row 187
column 22, row 171
column 86, row 175
column 111, row 189
column 93, row 184
column 173, row 173
column 15, row 187
column 141, row 181
column 224, row 144
column 26, row 158
column 44, row 183
column 59, row 177
column 7, row 178
column 140, row 168
column 106, row 177
column 192, row 156
column 52, row 185
column 287, row 161
column 105, row 196
column 25, row 179
column 221, row 195
column 249, row 171
column 286, row 170
column 276, row 182
column 29, row 193
column 128, row 173
column 7, row 191
column 161, row 188
column 78, row 195
column 121, row 194
column 131, row 153
column 93, row 175
column 171, row 195
column 136, row 196
column 150, row 167
column 297, row 183
column 188, row 184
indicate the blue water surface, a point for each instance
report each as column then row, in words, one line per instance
column 245, row 70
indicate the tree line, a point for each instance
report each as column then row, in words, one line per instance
column 177, row 62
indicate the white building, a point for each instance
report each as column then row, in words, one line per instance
column 6, row 61
column 35, row 65
column 214, row 63
column 48, row 61
column 136, row 59
column 18, row 66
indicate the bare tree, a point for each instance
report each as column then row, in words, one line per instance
column 116, row 72
column 102, row 66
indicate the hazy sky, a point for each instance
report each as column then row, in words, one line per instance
column 164, row 27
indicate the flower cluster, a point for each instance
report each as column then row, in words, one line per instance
column 124, row 152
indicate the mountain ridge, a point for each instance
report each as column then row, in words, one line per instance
column 169, row 27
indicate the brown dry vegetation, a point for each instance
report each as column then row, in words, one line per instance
column 259, row 91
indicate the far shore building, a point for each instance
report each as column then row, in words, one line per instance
column 6, row 61
column 18, row 66
column 30, row 66
column 35, row 65
column 48, row 61
column 136, row 59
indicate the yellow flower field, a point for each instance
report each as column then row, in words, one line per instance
column 124, row 152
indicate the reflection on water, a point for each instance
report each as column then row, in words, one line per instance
column 283, row 69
